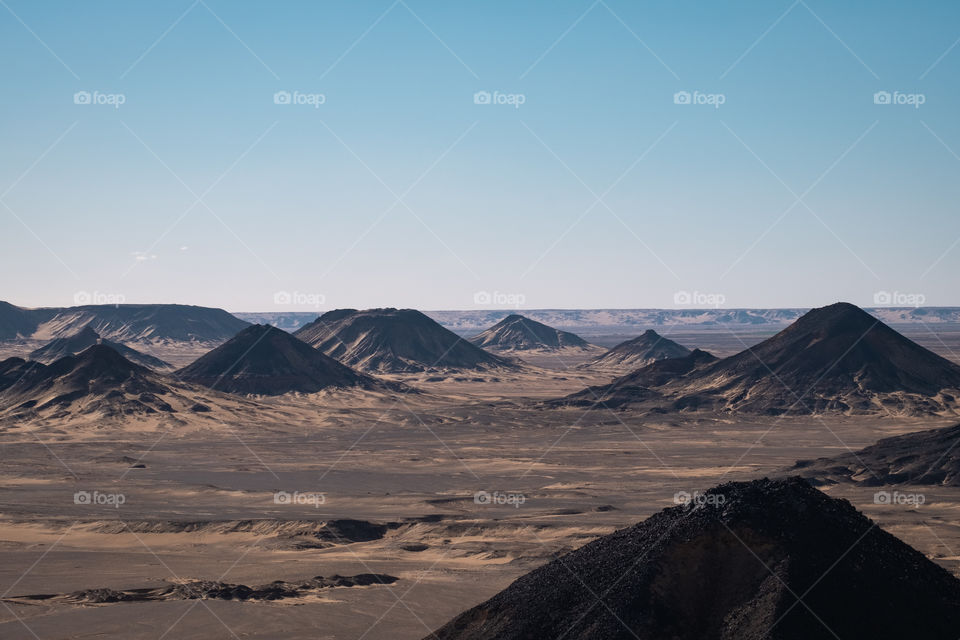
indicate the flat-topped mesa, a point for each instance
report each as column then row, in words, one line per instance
column 121, row 322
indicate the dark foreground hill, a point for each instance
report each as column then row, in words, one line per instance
column 835, row 359
column 265, row 360
column 121, row 322
column 394, row 340
column 926, row 458
column 648, row 347
column 99, row 381
column 517, row 333
column 730, row 565
column 86, row 338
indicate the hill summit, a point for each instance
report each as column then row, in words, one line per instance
column 265, row 360
column 98, row 381
column 394, row 340
column 835, row 359
column 734, row 562
column 632, row 354
column 518, row 333
column 86, row 338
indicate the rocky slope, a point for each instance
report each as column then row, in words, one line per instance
column 265, row 360
column 731, row 564
column 517, row 333
column 394, row 340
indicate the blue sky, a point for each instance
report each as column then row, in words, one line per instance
column 599, row 190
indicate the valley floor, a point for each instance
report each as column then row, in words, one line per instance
column 203, row 506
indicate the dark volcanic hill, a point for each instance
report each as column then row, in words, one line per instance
column 638, row 352
column 97, row 381
column 639, row 385
column 394, row 340
column 730, row 566
column 265, row 360
column 121, row 323
column 833, row 359
column 86, row 338
column 517, row 333
column 926, row 457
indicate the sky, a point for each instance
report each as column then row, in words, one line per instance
column 292, row 156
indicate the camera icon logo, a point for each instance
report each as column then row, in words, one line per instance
column 81, row 97
column 82, row 497
column 882, row 297
column 282, row 297
column 881, row 97
column 481, row 497
column 681, row 97
column 81, row 297
column 481, row 97
column 882, row 497
column 282, row 497
column 681, row 497
column 682, row 297
column 482, row 297
column 281, row 97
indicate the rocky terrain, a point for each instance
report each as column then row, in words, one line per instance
column 394, row 341
column 632, row 354
column 86, row 338
column 929, row 457
column 636, row 386
column 145, row 323
column 99, row 382
column 517, row 333
column 761, row 560
column 836, row 359
column 210, row 590
column 265, row 360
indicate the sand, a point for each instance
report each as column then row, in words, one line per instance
column 414, row 463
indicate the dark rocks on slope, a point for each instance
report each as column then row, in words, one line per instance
column 730, row 566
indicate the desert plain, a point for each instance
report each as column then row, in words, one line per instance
column 456, row 490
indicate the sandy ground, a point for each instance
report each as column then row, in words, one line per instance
column 203, row 504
